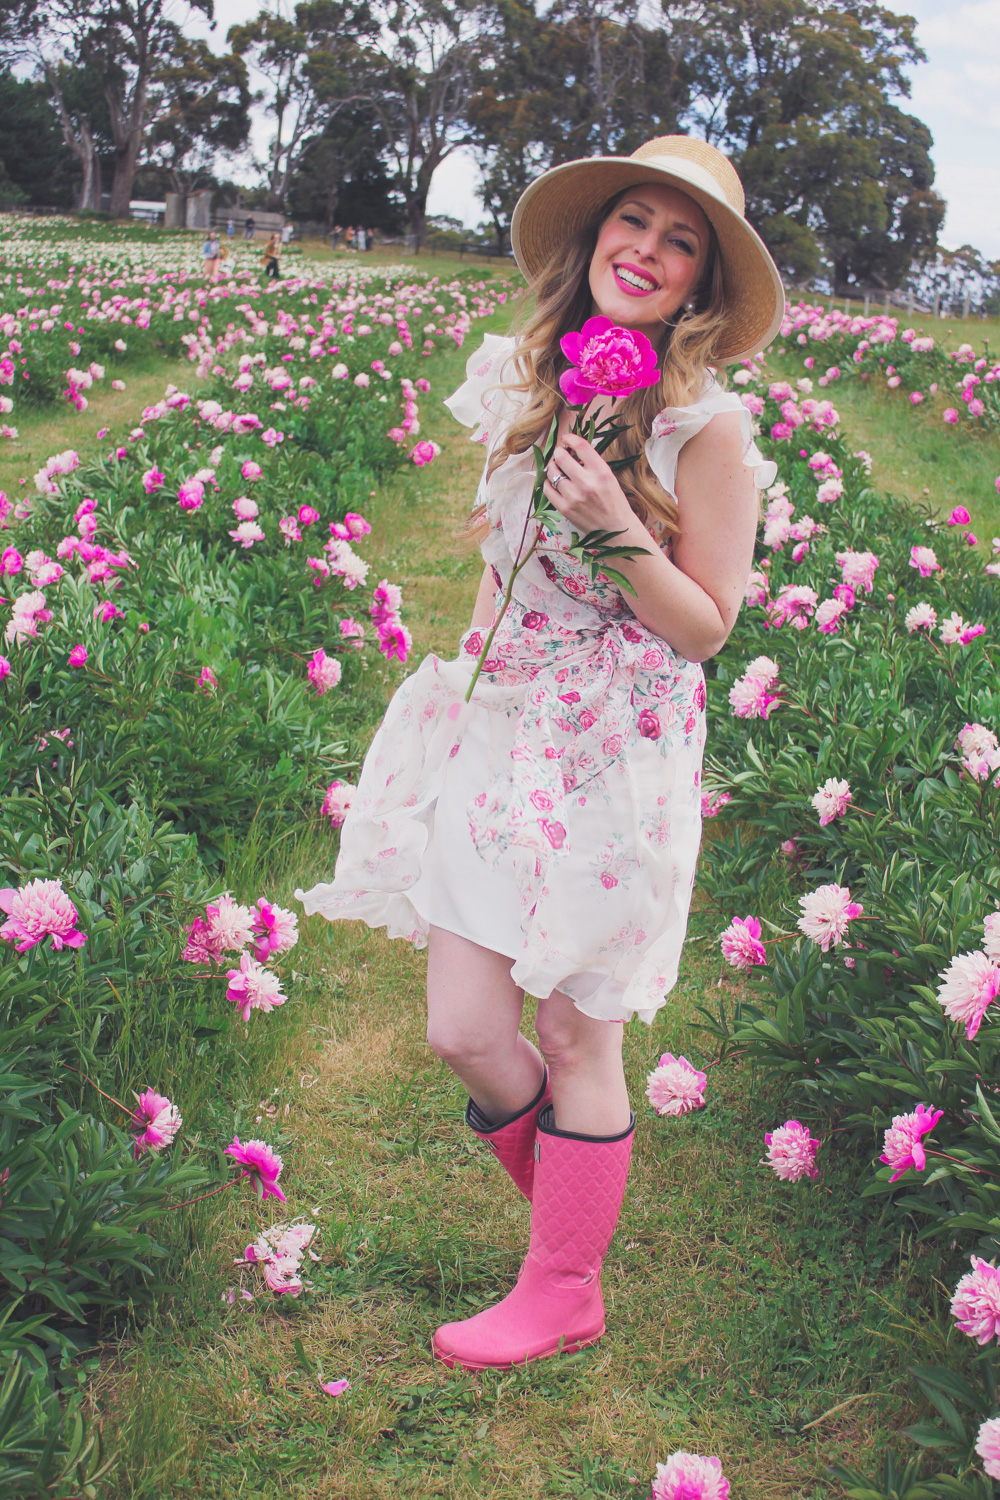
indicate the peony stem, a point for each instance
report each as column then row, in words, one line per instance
column 215, row 1191
column 93, row 1085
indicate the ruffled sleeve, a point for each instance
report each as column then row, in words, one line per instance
column 474, row 404
column 673, row 426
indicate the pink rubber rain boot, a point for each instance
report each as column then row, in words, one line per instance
column 513, row 1142
column 556, row 1306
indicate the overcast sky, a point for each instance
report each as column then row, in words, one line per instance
column 956, row 92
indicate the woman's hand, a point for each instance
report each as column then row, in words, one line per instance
column 586, row 491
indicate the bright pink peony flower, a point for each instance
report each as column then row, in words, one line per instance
column 251, row 471
column 202, row 947
column 78, row 656
column 750, row 698
column 394, row 640
column 356, row 525
column 263, row 1164
column 712, row 803
column 858, row 569
column 793, row 605
column 741, row 944
column 207, row 681
column 832, row 800
column 252, row 987
column 689, row 1476
column 191, row 495
column 958, row 632
column 975, row 1305
column 988, row 1446
column 38, row 911
column 826, row 913
column 4, row 668
column 338, row 799
column 675, row 1086
column 152, row 480
column 959, row 516
column 277, row 930
column 950, row 415
column 609, row 361
column 423, row 453
column 902, row 1148
column 156, row 1121
column 968, row 987
column 324, row 671
column 791, row 1151
column 307, row 515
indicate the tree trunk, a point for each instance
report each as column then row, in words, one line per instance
column 80, row 141
column 126, row 157
column 416, row 213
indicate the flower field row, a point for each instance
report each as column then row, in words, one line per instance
column 189, row 631
column 854, row 793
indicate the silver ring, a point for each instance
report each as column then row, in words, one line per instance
column 558, row 479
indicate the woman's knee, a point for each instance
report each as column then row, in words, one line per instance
column 457, row 1043
column 570, row 1040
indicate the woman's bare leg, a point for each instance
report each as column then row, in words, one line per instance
column 473, row 1024
column 586, row 1076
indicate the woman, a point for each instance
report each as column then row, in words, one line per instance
column 544, row 836
column 210, row 255
column 271, row 257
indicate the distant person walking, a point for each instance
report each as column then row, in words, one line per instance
column 370, row 239
column 272, row 257
column 231, row 226
column 362, row 244
column 349, row 237
column 249, row 228
column 210, row 254
column 337, row 232
column 286, row 233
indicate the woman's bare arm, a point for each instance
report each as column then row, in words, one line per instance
column 483, row 611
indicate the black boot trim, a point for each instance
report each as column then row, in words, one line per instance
column 547, row 1125
column 483, row 1125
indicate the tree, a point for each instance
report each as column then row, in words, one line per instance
column 202, row 108
column 800, row 92
column 32, row 152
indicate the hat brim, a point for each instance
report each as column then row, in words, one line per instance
column 567, row 198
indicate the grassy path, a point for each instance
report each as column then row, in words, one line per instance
column 765, row 1324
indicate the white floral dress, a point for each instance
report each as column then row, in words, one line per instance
column 556, row 818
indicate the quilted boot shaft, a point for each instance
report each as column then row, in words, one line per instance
column 513, row 1142
column 556, row 1306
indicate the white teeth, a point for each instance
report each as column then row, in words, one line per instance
column 639, row 282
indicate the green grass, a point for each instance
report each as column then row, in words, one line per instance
column 768, row 1324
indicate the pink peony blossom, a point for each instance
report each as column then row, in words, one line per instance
column 950, row 415
column 230, row 925
column 5, row 668
column 924, row 560
column 826, row 913
column 289, row 528
column 791, row 1151
column 608, row 361
column 394, row 640
column 902, row 1146
column 765, row 669
column 975, row 1305
column 152, row 480
column 356, row 525
column 991, row 936
column 247, row 532
column 251, row 471
column 78, row 656
column 202, row 947
column 858, row 569
column 424, row 453
column 207, row 681
column 338, row 799
column 958, row 632
column 245, row 509
column 324, row 671
column 307, row 515
column 741, row 944
column 959, row 516
column 920, row 617
column 277, row 930
column 751, row 698
column 988, row 1446
column 968, row 987
column 191, row 495
column 829, row 615
column 38, row 911
column 263, row 1164
column 156, row 1122
column 712, row 803
column 793, row 605
column 832, row 800
column 689, row 1476
column 252, row 987
column 675, row 1086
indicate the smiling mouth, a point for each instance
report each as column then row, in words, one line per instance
column 634, row 280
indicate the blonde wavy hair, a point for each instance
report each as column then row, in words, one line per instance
column 562, row 303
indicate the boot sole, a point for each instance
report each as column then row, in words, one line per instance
column 453, row 1360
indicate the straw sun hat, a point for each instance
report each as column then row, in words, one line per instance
column 568, row 197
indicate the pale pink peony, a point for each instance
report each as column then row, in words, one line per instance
column 741, row 944
column 245, row 508
column 988, row 1446
column 826, row 913
column 277, row 930
column 793, row 605
column 991, row 935
column 289, row 528
column 609, row 361
column 858, row 569
column 791, row 1151
column 920, row 617
column 230, row 925
column 832, row 800
column 675, row 1086
column 252, row 987
column 902, row 1148
column 324, row 671
column 756, row 592
column 38, row 911
column 958, row 632
column 924, row 560
column 247, row 532
column 263, row 1164
column 975, row 739
column 975, row 1305
column 251, row 471
column 829, row 615
column 689, row 1476
column 338, row 799
column 968, row 987
column 765, row 669
column 156, row 1122
column 750, row 698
